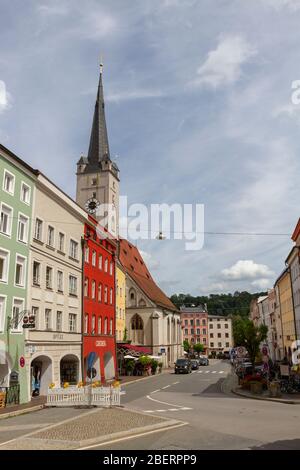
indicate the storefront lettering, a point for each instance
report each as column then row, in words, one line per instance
column 58, row 336
column 101, row 344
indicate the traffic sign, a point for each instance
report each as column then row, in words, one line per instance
column 22, row 361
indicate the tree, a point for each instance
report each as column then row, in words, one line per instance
column 246, row 334
column 198, row 348
column 186, row 345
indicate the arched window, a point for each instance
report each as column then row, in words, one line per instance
column 137, row 329
column 111, row 296
column 111, row 268
column 93, row 289
column 86, row 287
column 105, row 326
column 86, row 323
column 132, row 298
column 100, row 261
column 106, row 265
column 100, row 293
column 99, row 325
column 93, row 324
column 111, row 326
column 105, row 294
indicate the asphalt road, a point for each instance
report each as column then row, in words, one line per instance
column 214, row 419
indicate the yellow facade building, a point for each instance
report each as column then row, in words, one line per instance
column 287, row 311
column 120, row 303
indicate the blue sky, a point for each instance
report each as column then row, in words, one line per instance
column 199, row 110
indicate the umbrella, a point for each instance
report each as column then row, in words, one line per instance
column 130, row 357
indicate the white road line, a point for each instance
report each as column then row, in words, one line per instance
column 221, row 372
column 174, row 383
column 184, row 408
column 200, row 372
column 134, row 436
column 213, row 371
column 207, row 371
column 167, row 386
column 154, row 391
column 163, row 402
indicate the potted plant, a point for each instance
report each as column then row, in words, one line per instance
column 160, row 366
column 145, row 362
column 129, row 366
column 154, row 366
column 256, row 387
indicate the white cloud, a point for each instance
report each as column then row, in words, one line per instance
column 152, row 264
column 52, row 10
column 246, row 269
column 214, row 288
column 262, row 283
column 4, row 97
column 224, row 64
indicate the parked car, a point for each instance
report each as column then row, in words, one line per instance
column 195, row 364
column 203, row 361
column 183, row 366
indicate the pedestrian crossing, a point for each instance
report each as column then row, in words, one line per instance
column 211, row 372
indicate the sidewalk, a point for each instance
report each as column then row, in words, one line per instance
column 15, row 410
column 94, row 428
column 290, row 399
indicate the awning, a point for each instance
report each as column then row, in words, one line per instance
column 140, row 350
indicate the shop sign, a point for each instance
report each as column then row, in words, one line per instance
column 101, row 344
column 22, row 361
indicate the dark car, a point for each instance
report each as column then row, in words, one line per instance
column 203, row 361
column 195, row 364
column 183, row 366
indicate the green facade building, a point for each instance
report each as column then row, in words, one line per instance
column 16, row 201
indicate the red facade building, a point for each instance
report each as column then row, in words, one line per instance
column 98, row 322
column 194, row 324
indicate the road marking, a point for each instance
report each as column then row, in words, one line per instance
column 134, row 436
column 167, row 386
column 184, row 408
column 163, row 402
column 154, row 391
column 174, row 383
column 200, row 372
column 221, row 372
column 213, row 371
column 207, row 371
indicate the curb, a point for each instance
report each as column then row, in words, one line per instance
column 276, row 400
column 11, row 414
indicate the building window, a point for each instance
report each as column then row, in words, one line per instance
column 20, row 271
column 100, row 261
column 72, row 322
column 185, row 323
column 211, row 335
column 36, row 273
column 99, row 325
column 35, row 314
column 105, row 294
column 226, row 335
column 219, row 335
column 192, row 322
column 86, row 287
column 38, row 231
column 18, row 306
column 186, row 331
column 93, row 325
column 72, row 285
column 111, row 268
column 58, row 321
column 211, row 325
column 2, row 312
column 61, row 242
column 60, row 281
column 226, row 325
column 50, row 236
column 212, row 345
column 4, row 263
column 203, row 322
column 48, row 324
column 197, row 322
column 219, row 345
column 227, row 345
column 192, row 340
column 198, row 331
column 49, row 277
column 204, row 340
column 86, row 323
column 93, row 289
column 204, row 331
column 218, row 326
column 100, row 293
column 106, row 265
column 87, row 254
column 6, row 220
column 9, row 182
column 94, row 258
column 111, row 296
column 73, row 249
column 25, row 193
column 23, row 229
column 105, row 325
column 111, row 326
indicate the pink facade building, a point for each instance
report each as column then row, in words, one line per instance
column 194, row 324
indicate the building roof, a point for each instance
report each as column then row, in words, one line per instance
column 296, row 232
column 219, row 316
column 99, row 146
column 198, row 309
column 135, row 267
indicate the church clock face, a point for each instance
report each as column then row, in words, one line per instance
column 91, row 205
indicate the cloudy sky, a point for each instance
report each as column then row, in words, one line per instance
column 199, row 110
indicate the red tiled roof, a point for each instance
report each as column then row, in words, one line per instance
column 135, row 266
column 296, row 232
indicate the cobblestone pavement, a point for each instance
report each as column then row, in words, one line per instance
column 97, row 425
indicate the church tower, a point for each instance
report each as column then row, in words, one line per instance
column 97, row 175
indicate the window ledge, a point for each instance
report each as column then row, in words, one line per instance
column 36, row 240
column 50, row 247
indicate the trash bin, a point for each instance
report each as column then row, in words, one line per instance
column 274, row 389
